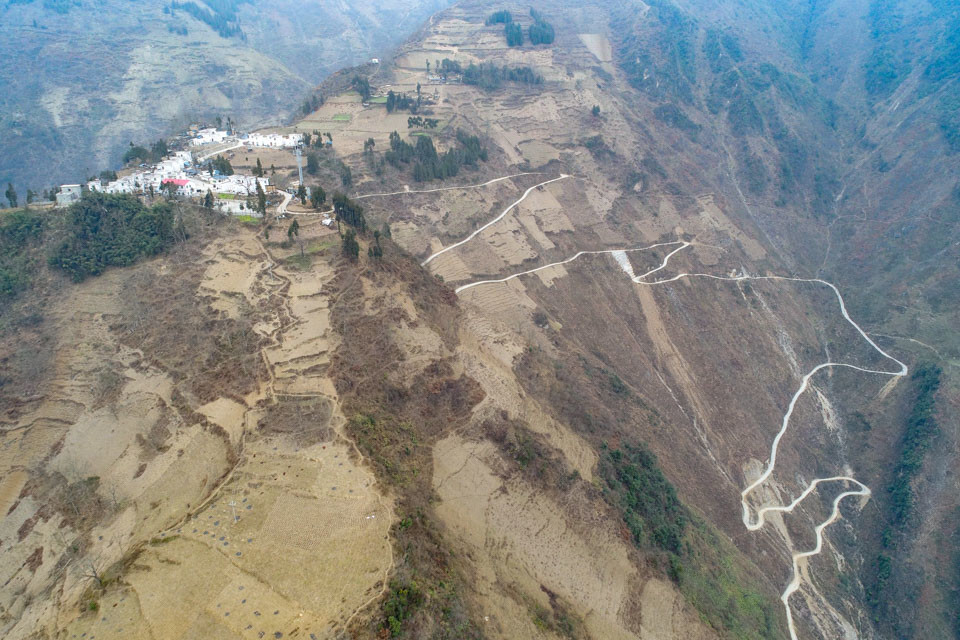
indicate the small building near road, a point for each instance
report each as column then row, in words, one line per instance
column 69, row 193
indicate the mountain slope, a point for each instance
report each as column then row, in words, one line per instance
column 625, row 361
column 83, row 79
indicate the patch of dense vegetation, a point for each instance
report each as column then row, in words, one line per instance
column 712, row 574
column 489, row 76
column 155, row 153
column 697, row 559
column 670, row 75
column 514, row 34
column 721, row 49
column 19, row 231
column 499, row 17
column 887, row 64
column 104, row 230
column 430, row 165
column 313, row 102
column 349, row 212
column 219, row 15
column 222, row 165
column 541, row 31
column 402, row 102
column 942, row 70
column 651, row 509
column 921, row 428
column 362, row 86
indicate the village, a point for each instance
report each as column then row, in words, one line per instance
column 193, row 173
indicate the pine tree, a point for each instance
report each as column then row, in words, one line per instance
column 302, row 194
column 261, row 199
column 208, row 200
column 317, row 196
column 259, row 170
column 294, row 232
column 351, row 248
column 11, row 195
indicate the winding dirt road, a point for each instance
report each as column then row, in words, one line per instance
column 494, row 221
column 219, row 151
column 466, row 186
column 751, row 524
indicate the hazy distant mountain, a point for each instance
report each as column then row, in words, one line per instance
column 82, row 78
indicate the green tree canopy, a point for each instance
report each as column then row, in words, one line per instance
column 104, row 230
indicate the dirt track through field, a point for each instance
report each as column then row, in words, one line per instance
column 750, row 523
column 466, row 186
column 494, row 221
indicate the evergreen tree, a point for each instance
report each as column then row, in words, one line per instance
column 362, row 85
column 541, row 31
column 349, row 212
column 294, row 232
column 259, row 170
column 499, row 17
column 11, row 195
column 351, row 248
column 302, row 194
column 208, row 200
column 313, row 163
column 261, row 199
column 222, row 165
column 317, row 196
column 514, row 34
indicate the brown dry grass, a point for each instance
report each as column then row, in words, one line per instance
column 395, row 425
column 209, row 354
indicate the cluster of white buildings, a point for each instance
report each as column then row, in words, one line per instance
column 208, row 136
column 190, row 181
column 187, row 175
column 272, row 140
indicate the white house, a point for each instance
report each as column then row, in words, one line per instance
column 69, row 193
column 208, row 136
column 273, row 140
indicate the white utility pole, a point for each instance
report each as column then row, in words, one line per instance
column 299, row 152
